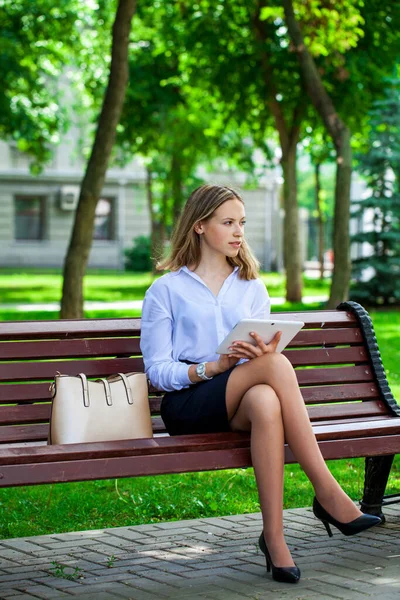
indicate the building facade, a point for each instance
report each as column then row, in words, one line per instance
column 37, row 212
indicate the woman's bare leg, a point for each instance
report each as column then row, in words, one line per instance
column 260, row 412
column 275, row 370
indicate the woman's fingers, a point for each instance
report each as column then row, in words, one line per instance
column 251, row 351
column 248, row 350
column 275, row 341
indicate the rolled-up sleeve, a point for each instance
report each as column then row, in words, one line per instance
column 261, row 307
column 163, row 372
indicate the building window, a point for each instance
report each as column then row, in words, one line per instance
column 29, row 217
column 104, row 219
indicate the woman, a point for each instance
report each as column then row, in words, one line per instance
column 212, row 284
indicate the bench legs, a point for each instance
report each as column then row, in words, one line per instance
column 377, row 469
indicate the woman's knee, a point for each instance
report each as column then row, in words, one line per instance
column 262, row 403
column 277, row 359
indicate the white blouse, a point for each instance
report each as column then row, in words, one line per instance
column 183, row 320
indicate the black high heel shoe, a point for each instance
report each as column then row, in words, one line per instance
column 359, row 524
column 282, row 574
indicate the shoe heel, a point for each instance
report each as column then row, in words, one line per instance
column 268, row 566
column 328, row 528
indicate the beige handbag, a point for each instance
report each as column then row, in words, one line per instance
column 115, row 408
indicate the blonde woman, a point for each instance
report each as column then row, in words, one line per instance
column 212, row 284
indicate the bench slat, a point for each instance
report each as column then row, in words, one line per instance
column 106, row 468
column 40, row 413
column 35, row 371
column 347, row 411
column 24, row 433
column 183, row 444
column 326, row 337
column 342, row 377
column 69, row 348
column 334, row 375
column 327, row 356
column 46, row 370
column 74, row 348
column 31, row 433
column 340, row 393
column 64, row 329
column 39, row 392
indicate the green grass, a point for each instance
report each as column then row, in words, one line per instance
column 58, row 508
column 40, row 287
column 45, row 286
column 38, row 510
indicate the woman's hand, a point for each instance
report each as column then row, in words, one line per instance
column 225, row 362
column 241, row 349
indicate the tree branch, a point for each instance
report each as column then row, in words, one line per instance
column 312, row 78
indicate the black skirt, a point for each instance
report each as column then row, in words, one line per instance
column 200, row 408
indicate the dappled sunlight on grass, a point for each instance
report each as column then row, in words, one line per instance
column 108, row 286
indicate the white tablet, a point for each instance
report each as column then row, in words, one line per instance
column 265, row 328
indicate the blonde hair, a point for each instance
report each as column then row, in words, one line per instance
column 185, row 242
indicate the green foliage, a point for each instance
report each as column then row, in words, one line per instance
column 35, row 43
column 65, row 571
column 379, row 213
column 138, row 258
column 169, row 118
column 101, row 504
column 306, row 189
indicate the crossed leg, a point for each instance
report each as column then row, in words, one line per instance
column 263, row 397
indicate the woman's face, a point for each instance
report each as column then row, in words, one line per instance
column 223, row 232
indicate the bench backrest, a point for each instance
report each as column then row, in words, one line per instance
column 333, row 367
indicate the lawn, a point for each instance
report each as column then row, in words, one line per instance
column 45, row 509
column 108, row 286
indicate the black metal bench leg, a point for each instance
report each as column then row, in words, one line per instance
column 377, row 470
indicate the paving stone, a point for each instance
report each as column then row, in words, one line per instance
column 19, row 596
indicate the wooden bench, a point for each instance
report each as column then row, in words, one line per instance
column 338, row 367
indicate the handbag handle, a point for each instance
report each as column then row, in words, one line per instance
column 85, row 387
column 127, row 387
column 107, row 390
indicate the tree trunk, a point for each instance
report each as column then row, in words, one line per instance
column 341, row 138
column 177, row 193
column 157, row 225
column 288, row 136
column 341, row 224
column 291, row 241
column 82, row 233
column 320, row 219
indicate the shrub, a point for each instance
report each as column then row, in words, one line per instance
column 138, row 258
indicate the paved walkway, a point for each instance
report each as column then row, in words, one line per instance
column 123, row 304
column 205, row 559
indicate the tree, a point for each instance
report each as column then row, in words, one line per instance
column 359, row 65
column 288, row 109
column 379, row 214
column 92, row 184
column 37, row 40
column 172, row 123
column 225, row 56
column 320, row 151
column 341, row 138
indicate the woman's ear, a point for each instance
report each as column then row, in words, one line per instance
column 198, row 228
